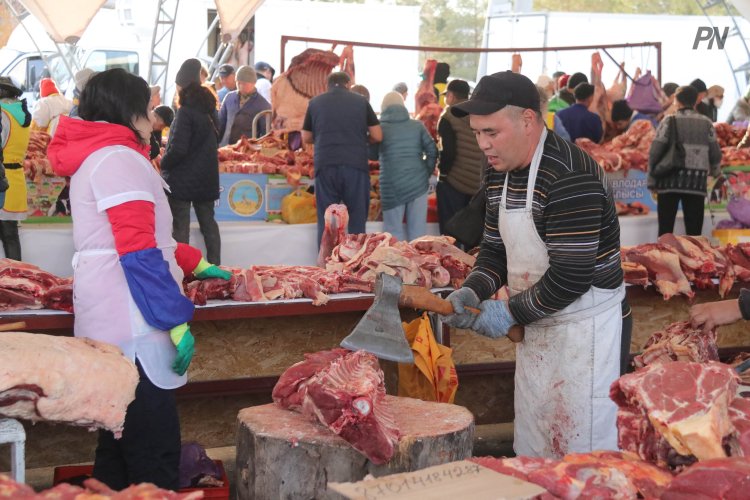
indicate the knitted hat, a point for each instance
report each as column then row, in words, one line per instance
column 392, row 98
column 82, row 77
column 715, row 91
column 47, row 87
column 246, row 74
column 401, row 88
column 189, row 72
column 543, row 81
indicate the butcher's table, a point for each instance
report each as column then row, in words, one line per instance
column 241, row 348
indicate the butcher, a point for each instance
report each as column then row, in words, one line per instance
column 128, row 271
column 552, row 237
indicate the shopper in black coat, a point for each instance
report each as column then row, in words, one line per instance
column 190, row 164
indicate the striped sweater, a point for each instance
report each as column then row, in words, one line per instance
column 574, row 215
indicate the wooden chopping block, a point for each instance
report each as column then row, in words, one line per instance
column 282, row 454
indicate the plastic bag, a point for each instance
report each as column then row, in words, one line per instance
column 433, row 375
column 298, row 207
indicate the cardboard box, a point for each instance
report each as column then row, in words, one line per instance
column 461, row 479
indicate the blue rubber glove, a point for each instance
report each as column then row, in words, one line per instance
column 185, row 343
column 495, row 319
column 462, row 318
column 204, row 270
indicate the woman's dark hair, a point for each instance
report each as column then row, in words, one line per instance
column 115, row 96
column 686, row 95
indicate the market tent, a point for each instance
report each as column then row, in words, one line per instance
column 63, row 24
column 235, row 14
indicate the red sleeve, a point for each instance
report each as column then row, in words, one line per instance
column 187, row 258
column 133, row 226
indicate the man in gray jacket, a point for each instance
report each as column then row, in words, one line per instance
column 460, row 157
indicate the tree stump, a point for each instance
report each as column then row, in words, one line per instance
column 283, row 455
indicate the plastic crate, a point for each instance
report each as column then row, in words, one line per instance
column 66, row 472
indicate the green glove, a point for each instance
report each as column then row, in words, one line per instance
column 204, row 270
column 185, row 342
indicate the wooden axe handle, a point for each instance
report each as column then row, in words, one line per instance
column 7, row 327
column 419, row 297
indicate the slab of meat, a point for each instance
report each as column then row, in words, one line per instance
column 721, row 478
column 77, row 381
column 600, row 474
column 739, row 255
column 334, row 232
column 24, row 286
column 678, row 342
column 344, row 391
column 686, row 404
column 664, row 269
column 635, row 274
column 92, row 490
column 305, row 78
column 60, row 297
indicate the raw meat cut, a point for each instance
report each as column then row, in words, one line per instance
column 92, row 490
column 739, row 414
column 36, row 165
column 678, row 342
column 600, row 474
column 305, row 78
column 345, row 391
column 721, row 478
column 334, row 231
column 265, row 155
column 699, row 262
column 686, row 404
column 628, row 150
column 663, row 264
column 25, row 286
column 635, row 274
column 77, row 381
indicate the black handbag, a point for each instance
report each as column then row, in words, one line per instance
column 467, row 225
column 674, row 158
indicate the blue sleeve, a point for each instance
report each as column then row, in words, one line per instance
column 154, row 289
column 223, row 117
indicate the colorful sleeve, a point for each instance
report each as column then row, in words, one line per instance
column 187, row 257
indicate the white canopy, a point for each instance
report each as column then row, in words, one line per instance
column 743, row 6
column 235, row 14
column 62, row 22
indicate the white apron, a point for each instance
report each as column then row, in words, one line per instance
column 104, row 308
column 568, row 360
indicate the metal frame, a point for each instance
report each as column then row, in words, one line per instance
column 422, row 48
column 161, row 44
column 708, row 5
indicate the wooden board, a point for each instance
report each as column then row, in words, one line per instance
column 281, row 454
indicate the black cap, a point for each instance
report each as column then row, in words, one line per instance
column 9, row 87
column 262, row 66
column 699, row 85
column 494, row 92
column 458, row 87
column 226, row 70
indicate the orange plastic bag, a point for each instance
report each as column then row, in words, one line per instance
column 433, row 376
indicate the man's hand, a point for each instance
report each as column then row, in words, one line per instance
column 495, row 319
column 712, row 314
column 461, row 317
column 204, row 270
column 185, row 343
